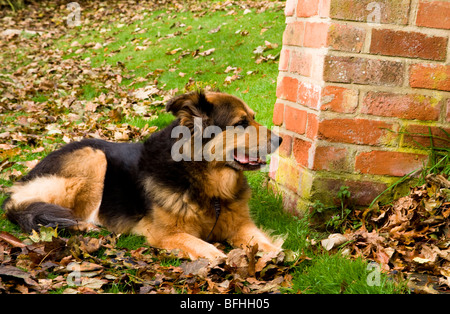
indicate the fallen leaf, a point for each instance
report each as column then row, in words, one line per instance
column 333, row 241
column 237, row 258
column 214, row 30
column 198, row 267
column 172, row 52
column 259, row 50
column 12, row 240
column 264, row 260
column 93, row 283
column 145, row 92
column 97, row 46
column 207, row 52
column 270, row 45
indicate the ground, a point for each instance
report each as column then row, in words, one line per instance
column 107, row 75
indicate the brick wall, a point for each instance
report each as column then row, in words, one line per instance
column 356, row 76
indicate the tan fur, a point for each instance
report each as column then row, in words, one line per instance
column 165, row 197
column 49, row 189
column 222, row 182
column 78, row 186
column 215, row 97
column 87, row 165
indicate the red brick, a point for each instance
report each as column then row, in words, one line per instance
column 434, row 14
column 287, row 88
column 331, row 159
column 345, row 37
column 307, row 8
column 318, row 60
column 285, row 148
column 391, row 11
column 339, row 99
column 289, row 8
column 315, row 34
column 411, row 106
column 278, row 114
column 293, row 34
column 301, row 63
column 295, row 120
column 356, row 131
column 418, row 136
column 357, row 70
column 300, row 150
column 284, row 60
column 309, row 94
column 408, row 44
column 324, row 8
column 431, row 76
column 389, row 163
column 313, row 126
column 448, row 110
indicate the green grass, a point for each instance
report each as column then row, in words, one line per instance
column 322, row 272
column 231, row 49
column 161, row 121
column 331, row 274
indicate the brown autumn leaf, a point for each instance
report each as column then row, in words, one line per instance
column 410, row 235
column 215, row 30
column 198, row 267
column 207, row 52
column 12, row 240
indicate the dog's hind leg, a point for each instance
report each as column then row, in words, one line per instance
column 46, row 201
column 69, row 198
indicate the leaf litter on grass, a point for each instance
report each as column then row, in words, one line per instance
column 411, row 236
column 46, row 262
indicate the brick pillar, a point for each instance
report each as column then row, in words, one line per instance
column 355, row 75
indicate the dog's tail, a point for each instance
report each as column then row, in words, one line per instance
column 31, row 216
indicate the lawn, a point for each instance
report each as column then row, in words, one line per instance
column 109, row 78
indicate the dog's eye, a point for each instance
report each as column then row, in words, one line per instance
column 243, row 123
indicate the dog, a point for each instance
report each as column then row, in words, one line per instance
column 140, row 188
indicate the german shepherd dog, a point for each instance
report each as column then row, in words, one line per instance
column 139, row 188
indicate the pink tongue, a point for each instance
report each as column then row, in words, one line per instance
column 243, row 159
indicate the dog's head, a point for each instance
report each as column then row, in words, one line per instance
column 220, row 128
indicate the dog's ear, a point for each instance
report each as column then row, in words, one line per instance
column 188, row 106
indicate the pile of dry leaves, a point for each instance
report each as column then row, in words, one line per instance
column 411, row 236
column 47, row 262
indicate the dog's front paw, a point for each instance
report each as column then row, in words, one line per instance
column 268, row 246
column 208, row 251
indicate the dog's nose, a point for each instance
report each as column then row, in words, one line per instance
column 276, row 140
